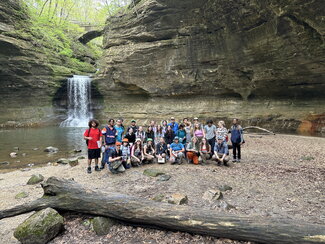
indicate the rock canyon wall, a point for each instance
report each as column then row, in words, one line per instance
column 261, row 61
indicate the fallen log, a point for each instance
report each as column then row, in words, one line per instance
column 259, row 128
column 62, row 194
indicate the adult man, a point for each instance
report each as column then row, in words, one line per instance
column 177, row 152
column 109, row 139
column 161, row 151
column 237, row 139
column 221, row 151
column 133, row 126
column 173, row 124
column 115, row 163
column 210, row 133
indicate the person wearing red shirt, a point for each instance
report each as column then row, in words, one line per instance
column 93, row 137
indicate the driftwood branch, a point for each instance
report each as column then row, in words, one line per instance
column 63, row 194
column 259, row 128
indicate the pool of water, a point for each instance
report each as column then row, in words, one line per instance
column 32, row 142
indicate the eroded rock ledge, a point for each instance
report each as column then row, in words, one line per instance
column 219, row 59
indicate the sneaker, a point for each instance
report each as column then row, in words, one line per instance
column 226, row 164
column 89, row 170
column 234, row 160
column 238, row 160
column 97, row 168
column 102, row 167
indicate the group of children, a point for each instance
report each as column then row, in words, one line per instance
column 123, row 148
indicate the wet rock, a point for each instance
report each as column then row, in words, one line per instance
column 4, row 163
column 35, row 149
column 63, row 161
column 158, row 198
column 102, row 225
column 51, row 150
column 76, row 151
column 13, row 155
column 30, row 165
column 35, row 179
column 40, row 228
column 178, row 199
column 23, row 154
column 164, row 177
column 153, row 172
column 25, row 169
column 81, row 157
column 73, row 162
column 225, row 188
column 16, row 148
column 212, row 195
column 21, row 195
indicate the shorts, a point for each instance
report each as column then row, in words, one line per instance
column 93, row 153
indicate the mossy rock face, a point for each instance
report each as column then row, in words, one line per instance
column 102, row 225
column 35, row 179
column 21, row 195
column 153, row 172
column 40, row 228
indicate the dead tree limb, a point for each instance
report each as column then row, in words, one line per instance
column 259, row 128
column 63, row 194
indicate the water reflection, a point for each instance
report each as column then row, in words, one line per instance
column 33, row 141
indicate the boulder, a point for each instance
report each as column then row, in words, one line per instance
column 63, row 161
column 51, row 150
column 4, row 163
column 24, row 154
column 225, row 205
column 35, row 149
column 225, row 188
column 102, row 225
column 164, row 177
column 212, row 195
column 153, row 172
column 13, row 154
column 35, row 179
column 40, row 228
column 178, row 199
column 25, row 169
column 16, row 148
column 73, row 162
column 21, row 195
column 158, row 198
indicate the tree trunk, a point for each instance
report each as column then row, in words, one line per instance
column 63, row 194
column 259, row 128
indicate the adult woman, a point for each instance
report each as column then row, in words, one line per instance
column 137, row 153
column 130, row 136
column 119, row 130
column 149, row 151
column 159, row 134
column 222, row 130
column 193, row 149
column 205, row 150
column 164, row 126
column 140, row 134
column 181, row 134
column 169, row 135
column 150, row 133
column 161, row 151
column 198, row 132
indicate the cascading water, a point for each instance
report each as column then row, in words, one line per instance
column 79, row 99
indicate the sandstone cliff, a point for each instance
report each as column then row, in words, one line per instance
column 262, row 61
column 31, row 68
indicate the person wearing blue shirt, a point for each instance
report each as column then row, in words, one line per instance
column 237, row 140
column 177, row 152
column 173, row 124
column 221, row 151
column 119, row 130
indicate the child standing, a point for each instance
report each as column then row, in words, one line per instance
column 237, row 140
column 93, row 137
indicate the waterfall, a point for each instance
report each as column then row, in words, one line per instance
column 79, row 99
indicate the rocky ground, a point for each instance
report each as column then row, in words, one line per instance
column 280, row 176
